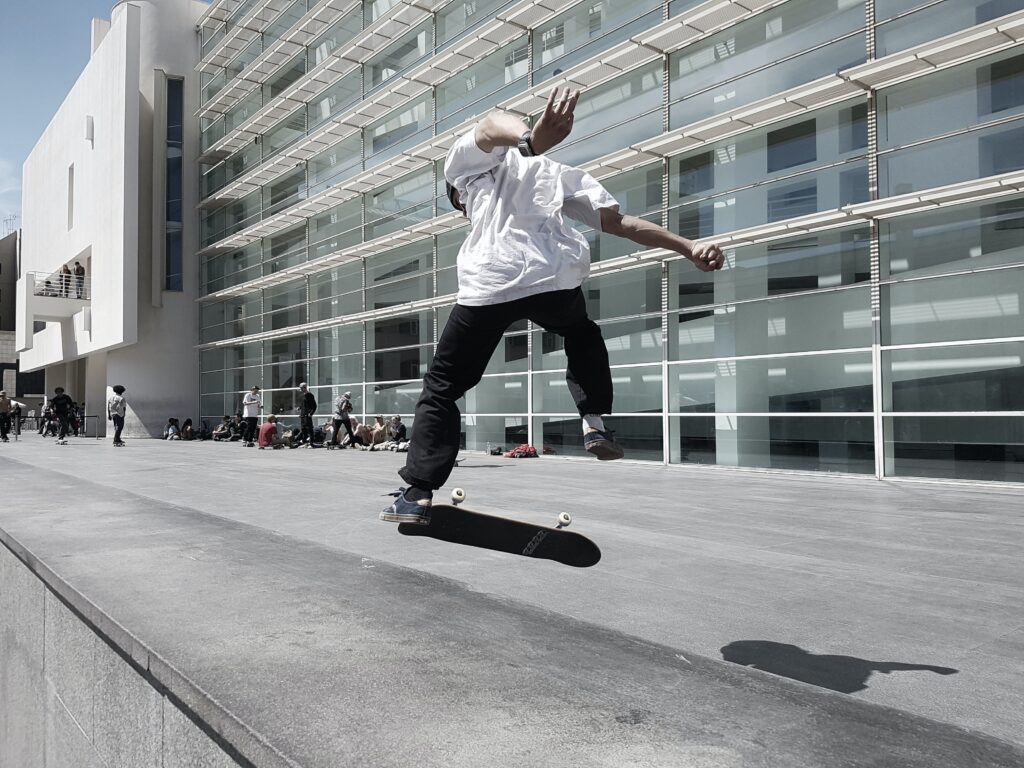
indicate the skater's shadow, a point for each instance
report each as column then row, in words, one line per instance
column 846, row 674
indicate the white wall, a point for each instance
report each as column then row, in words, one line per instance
column 139, row 335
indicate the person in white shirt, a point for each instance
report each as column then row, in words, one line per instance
column 116, row 408
column 252, row 404
column 521, row 260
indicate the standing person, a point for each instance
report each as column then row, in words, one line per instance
column 62, row 404
column 65, row 281
column 79, row 280
column 307, row 407
column 6, row 408
column 116, row 408
column 343, row 416
column 252, row 405
column 521, row 260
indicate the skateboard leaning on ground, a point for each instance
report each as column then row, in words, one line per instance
column 456, row 524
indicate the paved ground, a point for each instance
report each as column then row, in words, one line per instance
column 902, row 594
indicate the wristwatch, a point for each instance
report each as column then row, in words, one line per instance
column 526, row 144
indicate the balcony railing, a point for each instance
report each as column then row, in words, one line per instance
column 60, row 285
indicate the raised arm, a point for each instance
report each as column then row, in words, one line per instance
column 707, row 257
column 500, row 129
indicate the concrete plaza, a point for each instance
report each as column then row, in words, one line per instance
column 898, row 607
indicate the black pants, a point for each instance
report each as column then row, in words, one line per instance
column 118, row 426
column 306, row 423
column 463, row 351
column 347, row 422
column 65, row 424
column 5, row 425
column 251, row 428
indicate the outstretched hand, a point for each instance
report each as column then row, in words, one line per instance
column 707, row 257
column 555, row 124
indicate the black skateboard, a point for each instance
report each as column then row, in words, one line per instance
column 459, row 525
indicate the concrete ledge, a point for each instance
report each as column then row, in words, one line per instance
column 287, row 653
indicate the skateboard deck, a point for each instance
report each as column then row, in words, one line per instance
column 458, row 525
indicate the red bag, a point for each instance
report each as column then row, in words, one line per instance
column 523, row 451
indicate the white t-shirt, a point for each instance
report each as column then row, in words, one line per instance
column 116, row 405
column 251, row 405
column 519, row 243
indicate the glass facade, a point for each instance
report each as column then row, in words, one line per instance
column 883, row 342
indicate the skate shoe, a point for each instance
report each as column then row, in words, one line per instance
column 406, row 510
column 602, row 444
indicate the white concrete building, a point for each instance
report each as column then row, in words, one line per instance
column 106, row 186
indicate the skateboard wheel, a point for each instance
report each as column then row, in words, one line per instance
column 458, row 496
column 564, row 519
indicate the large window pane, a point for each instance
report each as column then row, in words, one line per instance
column 774, row 36
column 336, row 229
column 974, row 236
column 805, row 384
column 777, row 268
column 334, row 165
column 637, row 390
column 932, row 21
column 495, row 395
column 456, row 17
column 979, row 377
column 984, row 305
column 401, row 331
column 587, row 28
column 955, row 447
column 951, row 100
column 482, row 432
column 807, row 323
column 336, row 293
column 398, row 56
column 985, row 152
column 787, row 198
column 285, row 305
column 400, row 204
column 479, row 80
column 339, row 340
column 819, row 444
column 393, row 398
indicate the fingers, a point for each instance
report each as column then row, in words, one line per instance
column 562, row 106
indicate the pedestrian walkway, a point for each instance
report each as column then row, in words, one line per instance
column 905, row 595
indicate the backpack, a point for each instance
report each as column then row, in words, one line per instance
column 523, row 451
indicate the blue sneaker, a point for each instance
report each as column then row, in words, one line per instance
column 602, row 445
column 406, row 510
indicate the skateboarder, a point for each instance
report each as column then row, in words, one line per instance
column 521, row 260
column 116, row 408
column 62, row 404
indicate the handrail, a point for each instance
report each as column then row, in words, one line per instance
column 60, row 285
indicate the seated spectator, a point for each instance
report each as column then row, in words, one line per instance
column 379, row 435
column 398, row 432
column 223, row 430
column 237, row 428
column 187, row 431
column 268, row 437
column 362, row 434
column 172, row 431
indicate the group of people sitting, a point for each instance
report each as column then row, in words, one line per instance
column 182, row 431
column 385, row 434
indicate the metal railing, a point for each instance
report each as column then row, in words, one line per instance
column 61, row 285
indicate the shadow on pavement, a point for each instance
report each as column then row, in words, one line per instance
column 846, row 674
